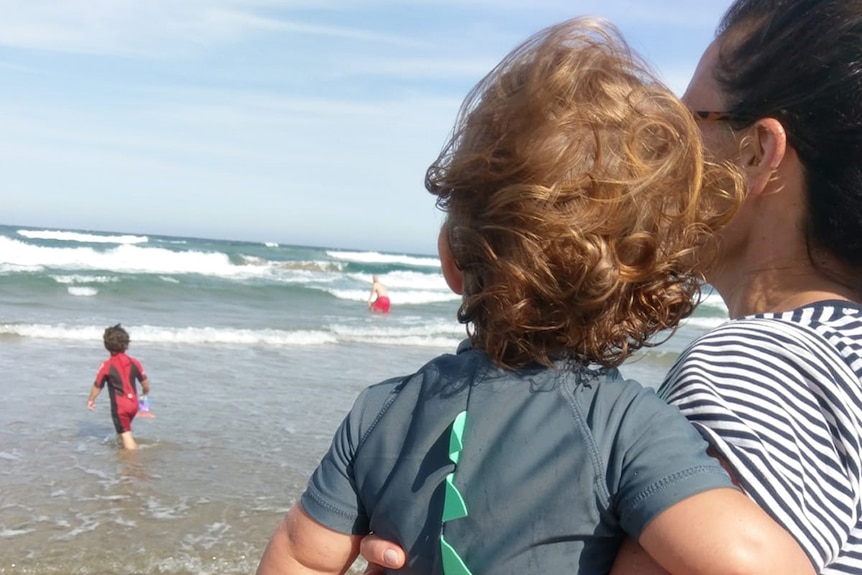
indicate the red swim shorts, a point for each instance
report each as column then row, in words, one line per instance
column 381, row 304
column 123, row 411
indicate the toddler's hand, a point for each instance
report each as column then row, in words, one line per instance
column 379, row 553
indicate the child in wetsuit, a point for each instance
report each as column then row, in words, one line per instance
column 580, row 215
column 119, row 373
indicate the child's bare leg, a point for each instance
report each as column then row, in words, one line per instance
column 128, row 440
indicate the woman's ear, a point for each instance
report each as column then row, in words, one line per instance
column 765, row 151
column 453, row 276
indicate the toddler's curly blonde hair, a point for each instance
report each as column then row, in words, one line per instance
column 580, row 208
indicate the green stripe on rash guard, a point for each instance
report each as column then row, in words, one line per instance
column 456, row 438
column 452, row 562
column 454, row 506
column 453, row 503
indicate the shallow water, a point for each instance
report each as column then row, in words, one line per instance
column 236, row 434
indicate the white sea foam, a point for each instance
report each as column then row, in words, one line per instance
column 88, row 524
column 298, row 266
column 711, row 299
column 124, row 259
column 406, row 287
column 18, row 256
column 82, row 291
column 438, row 334
column 406, row 297
column 81, row 237
column 271, row 244
column 8, row 533
column 190, row 335
column 159, row 510
column 84, row 279
column 304, row 277
column 439, row 342
column 405, row 279
column 704, row 323
column 206, row 335
column 43, row 331
column 16, row 268
column 210, row 538
column 378, row 258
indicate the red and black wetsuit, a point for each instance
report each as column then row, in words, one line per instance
column 120, row 373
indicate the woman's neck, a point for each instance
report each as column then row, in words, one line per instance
column 774, row 289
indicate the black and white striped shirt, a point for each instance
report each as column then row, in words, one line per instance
column 779, row 396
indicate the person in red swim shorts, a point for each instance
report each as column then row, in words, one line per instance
column 119, row 373
column 378, row 301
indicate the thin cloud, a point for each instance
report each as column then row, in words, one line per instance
column 248, row 21
column 138, row 28
column 694, row 14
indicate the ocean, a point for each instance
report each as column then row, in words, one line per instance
column 255, row 351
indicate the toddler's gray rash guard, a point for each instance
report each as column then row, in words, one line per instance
column 557, row 465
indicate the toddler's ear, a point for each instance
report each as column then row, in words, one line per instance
column 453, row 276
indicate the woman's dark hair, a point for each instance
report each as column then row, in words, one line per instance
column 116, row 339
column 800, row 62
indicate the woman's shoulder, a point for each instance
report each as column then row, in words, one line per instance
column 808, row 358
column 829, row 329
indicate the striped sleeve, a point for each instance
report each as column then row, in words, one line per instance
column 784, row 408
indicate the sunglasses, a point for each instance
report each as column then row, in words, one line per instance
column 720, row 116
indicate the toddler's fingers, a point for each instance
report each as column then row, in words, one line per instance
column 380, row 553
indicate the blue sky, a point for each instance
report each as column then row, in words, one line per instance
column 301, row 122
